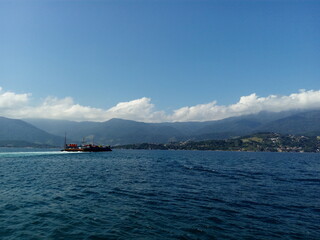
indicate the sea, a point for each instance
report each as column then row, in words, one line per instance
column 150, row 194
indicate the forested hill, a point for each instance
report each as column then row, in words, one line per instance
column 261, row 142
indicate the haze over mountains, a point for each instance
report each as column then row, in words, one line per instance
column 119, row 131
column 15, row 132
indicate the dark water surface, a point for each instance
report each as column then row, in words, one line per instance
column 131, row 194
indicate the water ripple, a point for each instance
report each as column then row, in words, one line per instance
column 159, row 195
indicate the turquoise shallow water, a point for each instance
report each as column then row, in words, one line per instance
column 131, row 194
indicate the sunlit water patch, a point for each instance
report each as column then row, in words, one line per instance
column 158, row 195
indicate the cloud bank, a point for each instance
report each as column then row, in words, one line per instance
column 14, row 105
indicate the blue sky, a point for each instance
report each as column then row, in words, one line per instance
column 166, row 54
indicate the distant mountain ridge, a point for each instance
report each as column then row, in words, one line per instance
column 14, row 132
column 119, row 131
column 307, row 123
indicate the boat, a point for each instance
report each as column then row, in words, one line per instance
column 86, row 148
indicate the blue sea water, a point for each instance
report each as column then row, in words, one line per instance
column 133, row 194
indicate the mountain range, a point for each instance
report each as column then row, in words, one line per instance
column 14, row 132
column 120, row 131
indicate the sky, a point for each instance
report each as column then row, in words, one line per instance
column 157, row 60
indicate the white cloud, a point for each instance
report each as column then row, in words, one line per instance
column 249, row 105
column 140, row 110
column 10, row 99
column 15, row 105
column 65, row 109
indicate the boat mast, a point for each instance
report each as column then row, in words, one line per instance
column 65, row 139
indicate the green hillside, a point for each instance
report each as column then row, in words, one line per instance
column 261, row 142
